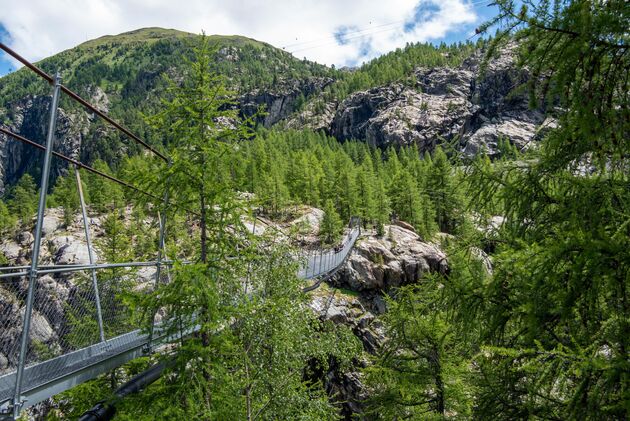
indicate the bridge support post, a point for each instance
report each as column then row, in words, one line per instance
column 88, row 240
column 321, row 256
column 311, row 262
column 158, row 268
column 32, row 279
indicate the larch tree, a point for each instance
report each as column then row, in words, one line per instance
column 555, row 316
column 22, row 200
column 331, row 225
column 253, row 337
column 443, row 192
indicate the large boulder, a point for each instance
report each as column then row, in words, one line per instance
column 70, row 250
column 399, row 258
column 310, row 220
column 41, row 331
column 50, row 224
column 10, row 325
column 11, row 250
column 347, row 309
column 51, row 300
column 25, row 238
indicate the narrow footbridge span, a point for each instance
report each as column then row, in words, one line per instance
column 61, row 325
column 47, row 372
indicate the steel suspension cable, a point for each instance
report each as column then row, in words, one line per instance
column 77, row 163
column 92, row 169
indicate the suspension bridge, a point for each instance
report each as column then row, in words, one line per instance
column 38, row 368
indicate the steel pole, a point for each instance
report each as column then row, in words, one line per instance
column 311, row 264
column 88, row 239
column 321, row 256
column 158, row 267
column 32, row 280
column 165, row 257
column 249, row 264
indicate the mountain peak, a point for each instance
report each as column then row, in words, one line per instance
column 142, row 34
column 154, row 34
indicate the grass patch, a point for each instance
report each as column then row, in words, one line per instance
column 348, row 292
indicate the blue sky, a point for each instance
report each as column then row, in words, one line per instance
column 327, row 31
column 5, row 65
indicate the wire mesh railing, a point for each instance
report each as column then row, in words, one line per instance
column 42, row 324
column 324, row 262
column 64, row 318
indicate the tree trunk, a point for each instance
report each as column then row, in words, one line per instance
column 248, row 392
column 439, row 383
column 202, row 225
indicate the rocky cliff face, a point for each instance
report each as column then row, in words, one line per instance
column 462, row 105
column 30, row 119
column 281, row 101
column 355, row 297
column 79, row 133
column 473, row 106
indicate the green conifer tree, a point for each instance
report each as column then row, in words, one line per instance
column 553, row 319
column 7, row 219
column 103, row 194
column 331, row 225
column 382, row 206
column 23, row 199
column 366, row 204
column 443, row 192
column 421, row 372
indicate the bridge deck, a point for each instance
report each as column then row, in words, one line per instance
column 48, row 378
column 53, row 376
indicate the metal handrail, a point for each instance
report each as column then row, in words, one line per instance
column 80, row 268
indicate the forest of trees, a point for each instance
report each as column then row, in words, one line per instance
column 538, row 330
column 288, row 168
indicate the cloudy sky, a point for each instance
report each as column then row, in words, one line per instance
column 339, row 32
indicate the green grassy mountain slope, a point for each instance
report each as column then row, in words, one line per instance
column 129, row 64
column 123, row 74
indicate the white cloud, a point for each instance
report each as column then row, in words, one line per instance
column 40, row 28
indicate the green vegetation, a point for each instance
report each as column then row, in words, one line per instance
column 247, row 359
column 129, row 68
column 331, row 226
column 421, row 371
column 66, row 195
column 303, row 167
column 282, row 169
column 7, row 219
column 21, row 199
column 531, row 321
column 544, row 335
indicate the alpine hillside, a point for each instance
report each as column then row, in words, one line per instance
column 421, row 95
